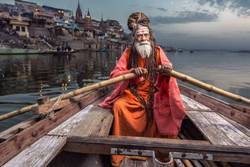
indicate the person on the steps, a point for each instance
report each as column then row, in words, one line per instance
column 150, row 105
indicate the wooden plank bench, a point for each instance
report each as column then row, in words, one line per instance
column 43, row 151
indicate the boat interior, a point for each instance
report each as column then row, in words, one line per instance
column 78, row 133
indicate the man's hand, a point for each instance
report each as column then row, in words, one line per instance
column 163, row 68
column 139, row 71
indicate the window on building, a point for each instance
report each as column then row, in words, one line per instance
column 17, row 28
column 23, row 29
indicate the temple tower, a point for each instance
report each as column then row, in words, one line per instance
column 78, row 14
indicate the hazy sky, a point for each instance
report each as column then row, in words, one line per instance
column 205, row 24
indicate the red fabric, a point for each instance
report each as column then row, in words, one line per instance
column 169, row 110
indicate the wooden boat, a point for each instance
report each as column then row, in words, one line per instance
column 77, row 133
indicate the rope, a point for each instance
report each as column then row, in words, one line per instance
column 59, row 99
column 50, row 111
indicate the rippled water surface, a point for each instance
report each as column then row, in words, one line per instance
column 24, row 78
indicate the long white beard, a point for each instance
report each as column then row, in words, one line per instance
column 143, row 48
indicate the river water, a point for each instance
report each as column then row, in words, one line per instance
column 24, row 78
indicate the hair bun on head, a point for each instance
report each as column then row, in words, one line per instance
column 137, row 18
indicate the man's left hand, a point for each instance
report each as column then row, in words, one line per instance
column 165, row 67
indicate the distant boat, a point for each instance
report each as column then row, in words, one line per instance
column 179, row 50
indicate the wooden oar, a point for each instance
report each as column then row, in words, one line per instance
column 71, row 94
column 203, row 85
column 128, row 76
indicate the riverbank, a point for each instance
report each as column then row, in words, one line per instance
column 43, row 44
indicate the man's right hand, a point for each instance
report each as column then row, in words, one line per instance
column 139, row 71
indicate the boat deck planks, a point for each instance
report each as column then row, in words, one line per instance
column 25, row 158
column 101, row 125
column 242, row 128
column 239, row 115
column 215, row 127
column 38, row 155
column 193, row 105
column 210, row 132
column 232, row 132
column 218, row 130
column 17, row 143
column 95, row 121
column 73, row 122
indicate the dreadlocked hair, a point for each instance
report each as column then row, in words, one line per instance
column 139, row 18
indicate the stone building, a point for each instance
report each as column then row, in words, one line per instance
column 20, row 25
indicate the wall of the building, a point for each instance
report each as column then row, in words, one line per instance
column 36, row 31
column 76, row 44
column 21, row 30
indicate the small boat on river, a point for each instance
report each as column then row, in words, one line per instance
column 76, row 132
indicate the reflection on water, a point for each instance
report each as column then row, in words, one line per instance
column 24, row 78
column 24, row 74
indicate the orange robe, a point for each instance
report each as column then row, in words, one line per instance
column 130, row 118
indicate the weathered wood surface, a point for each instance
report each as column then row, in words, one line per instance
column 10, row 148
column 193, row 105
column 96, row 122
column 51, row 106
column 210, row 132
column 240, row 116
column 39, row 153
column 215, row 127
column 218, row 130
column 232, row 132
column 57, row 137
column 97, row 145
column 242, row 128
column 66, row 127
column 8, row 133
column 46, row 148
column 48, row 145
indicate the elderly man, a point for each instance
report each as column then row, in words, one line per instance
column 149, row 105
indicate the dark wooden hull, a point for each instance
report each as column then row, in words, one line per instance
column 213, row 129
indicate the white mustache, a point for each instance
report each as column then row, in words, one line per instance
column 144, row 43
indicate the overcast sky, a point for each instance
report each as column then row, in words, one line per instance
column 202, row 24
